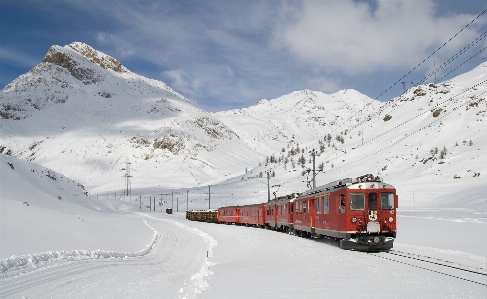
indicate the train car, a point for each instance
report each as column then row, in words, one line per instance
column 202, row 215
column 270, row 214
column 252, row 215
column 229, row 215
column 303, row 217
column 280, row 211
column 358, row 212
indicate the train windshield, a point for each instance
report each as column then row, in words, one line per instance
column 373, row 201
column 357, row 201
column 387, row 200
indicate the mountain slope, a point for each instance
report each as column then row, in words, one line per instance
column 80, row 112
column 299, row 117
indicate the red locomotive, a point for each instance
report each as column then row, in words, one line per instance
column 359, row 213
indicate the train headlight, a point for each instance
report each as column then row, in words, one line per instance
column 391, row 219
column 354, row 220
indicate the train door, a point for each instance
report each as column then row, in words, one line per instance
column 334, row 206
column 372, row 204
column 275, row 215
column 312, row 213
column 372, row 207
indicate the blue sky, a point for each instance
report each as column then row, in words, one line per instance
column 231, row 54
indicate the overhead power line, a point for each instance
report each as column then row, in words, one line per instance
column 424, row 60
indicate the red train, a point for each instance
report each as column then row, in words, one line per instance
column 359, row 213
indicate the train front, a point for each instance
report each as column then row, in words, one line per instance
column 371, row 215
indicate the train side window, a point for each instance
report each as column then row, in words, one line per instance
column 387, row 200
column 326, row 204
column 357, row 201
column 304, row 207
column 318, row 205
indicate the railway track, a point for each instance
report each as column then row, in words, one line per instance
column 436, row 265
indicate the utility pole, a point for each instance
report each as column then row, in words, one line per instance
column 172, row 200
column 128, row 185
column 187, row 201
column 177, row 204
column 314, row 169
column 268, row 186
column 150, row 203
column 209, row 197
column 140, row 202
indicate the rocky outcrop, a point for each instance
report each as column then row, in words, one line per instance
column 103, row 60
column 58, row 56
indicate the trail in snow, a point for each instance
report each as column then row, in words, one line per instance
column 174, row 266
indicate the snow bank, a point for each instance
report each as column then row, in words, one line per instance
column 15, row 265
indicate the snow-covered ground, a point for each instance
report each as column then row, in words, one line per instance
column 247, row 262
column 86, row 247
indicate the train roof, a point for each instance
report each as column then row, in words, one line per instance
column 333, row 186
column 349, row 183
column 244, row 206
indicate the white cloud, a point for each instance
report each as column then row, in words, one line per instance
column 323, row 84
column 352, row 37
column 181, row 80
column 122, row 47
column 16, row 57
column 230, row 72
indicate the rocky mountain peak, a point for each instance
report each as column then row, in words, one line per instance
column 103, row 60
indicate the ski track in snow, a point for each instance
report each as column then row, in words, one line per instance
column 198, row 280
column 173, row 261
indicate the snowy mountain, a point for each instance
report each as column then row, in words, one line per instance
column 299, row 117
column 81, row 113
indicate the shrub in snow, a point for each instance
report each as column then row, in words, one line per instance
column 443, row 153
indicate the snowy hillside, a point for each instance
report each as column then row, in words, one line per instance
column 47, row 211
column 299, row 117
column 83, row 114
